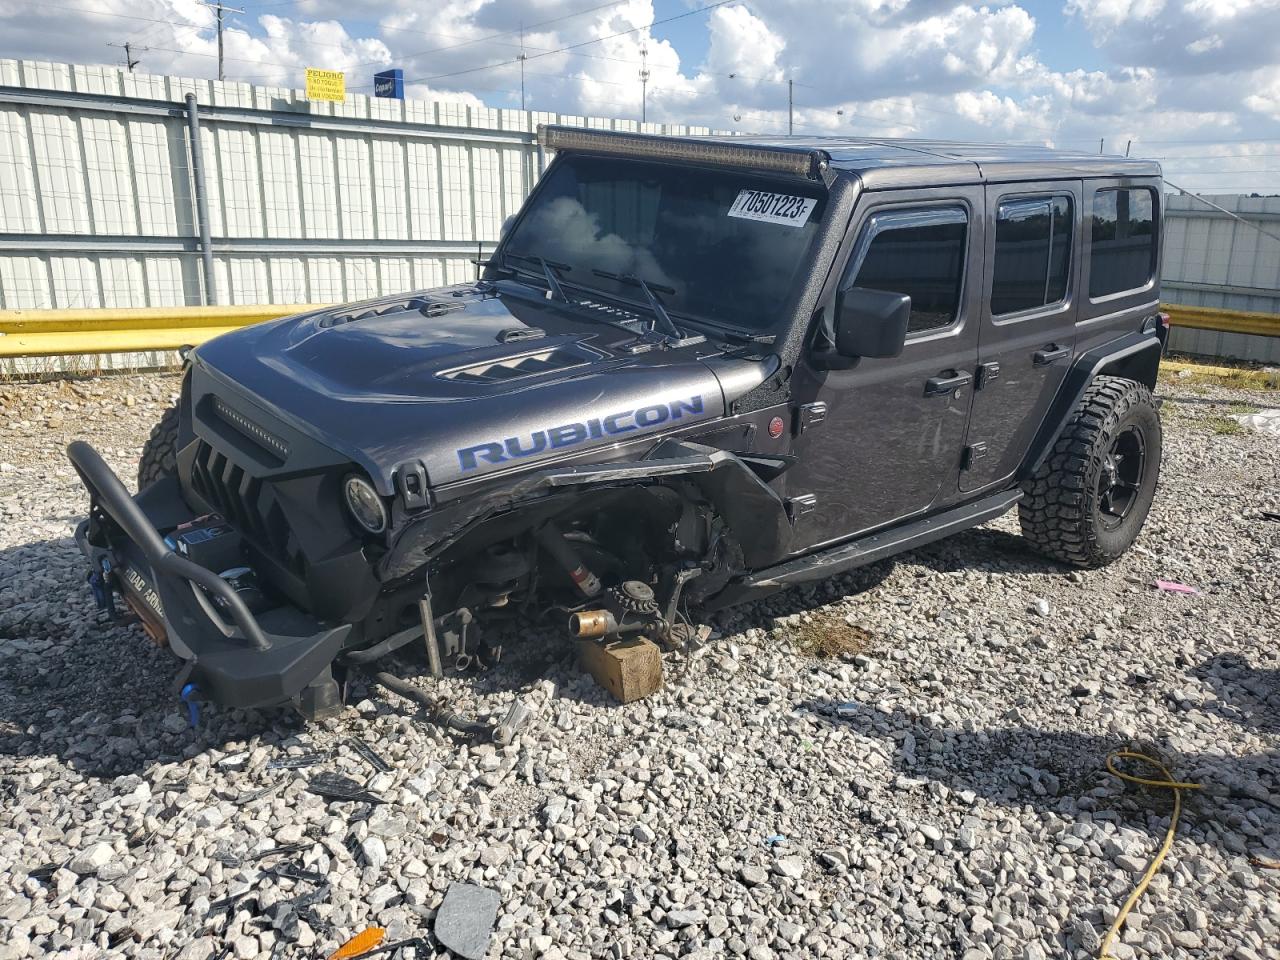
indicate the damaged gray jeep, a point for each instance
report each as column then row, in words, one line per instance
column 693, row 372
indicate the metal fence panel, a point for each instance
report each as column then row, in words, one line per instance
column 1211, row 260
column 320, row 202
column 308, row 201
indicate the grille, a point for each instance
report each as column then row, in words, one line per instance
column 247, row 503
column 526, row 365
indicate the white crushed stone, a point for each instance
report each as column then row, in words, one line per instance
column 940, row 794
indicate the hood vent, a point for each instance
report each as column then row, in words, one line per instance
column 428, row 308
column 505, row 370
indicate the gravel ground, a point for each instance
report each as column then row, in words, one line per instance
column 956, row 807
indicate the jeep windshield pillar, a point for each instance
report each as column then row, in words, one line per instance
column 695, row 371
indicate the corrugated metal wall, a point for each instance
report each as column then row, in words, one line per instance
column 1211, row 260
column 309, row 201
column 316, row 202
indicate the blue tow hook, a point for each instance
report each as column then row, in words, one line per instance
column 190, row 696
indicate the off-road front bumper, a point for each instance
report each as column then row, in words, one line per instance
column 232, row 656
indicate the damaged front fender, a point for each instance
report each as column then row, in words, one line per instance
column 749, row 507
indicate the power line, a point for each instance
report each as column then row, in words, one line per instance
column 129, row 47
column 1230, row 213
column 584, row 43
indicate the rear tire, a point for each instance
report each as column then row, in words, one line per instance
column 160, row 452
column 1087, row 502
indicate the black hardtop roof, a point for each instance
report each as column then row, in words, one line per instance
column 905, row 162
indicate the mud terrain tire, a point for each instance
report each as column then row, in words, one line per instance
column 159, row 453
column 1087, row 502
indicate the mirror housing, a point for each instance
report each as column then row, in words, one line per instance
column 507, row 224
column 871, row 323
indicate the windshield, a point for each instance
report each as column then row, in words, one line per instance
column 720, row 246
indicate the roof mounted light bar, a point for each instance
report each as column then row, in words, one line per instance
column 797, row 163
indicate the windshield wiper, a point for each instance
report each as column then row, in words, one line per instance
column 549, row 269
column 663, row 318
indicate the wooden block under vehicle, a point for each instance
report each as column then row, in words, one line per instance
column 630, row 668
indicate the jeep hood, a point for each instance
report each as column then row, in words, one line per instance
column 466, row 381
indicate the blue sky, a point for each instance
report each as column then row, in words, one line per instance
column 1195, row 83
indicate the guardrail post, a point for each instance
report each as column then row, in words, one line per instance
column 202, row 202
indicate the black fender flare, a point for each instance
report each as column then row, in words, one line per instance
column 746, row 502
column 1135, row 356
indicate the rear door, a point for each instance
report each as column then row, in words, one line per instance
column 1027, row 338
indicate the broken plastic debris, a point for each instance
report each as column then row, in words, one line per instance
column 1170, row 586
column 368, row 754
column 292, row 871
column 847, row 710
column 774, row 839
column 360, row 944
column 334, row 786
column 464, row 922
column 234, row 761
column 298, row 762
column 259, row 794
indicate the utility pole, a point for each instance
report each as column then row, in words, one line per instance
column 522, row 59
column 220, row 6
column 127, row 47
column 791, row 107
column 644, row 82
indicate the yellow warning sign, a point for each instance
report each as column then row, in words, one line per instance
column 326, row 85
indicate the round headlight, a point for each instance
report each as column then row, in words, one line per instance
column 365, row 504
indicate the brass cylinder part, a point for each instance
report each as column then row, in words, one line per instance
column 589, row 624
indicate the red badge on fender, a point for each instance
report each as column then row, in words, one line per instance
column 776, row 426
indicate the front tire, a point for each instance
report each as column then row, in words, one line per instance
column 160, row 452
column 1087, row 502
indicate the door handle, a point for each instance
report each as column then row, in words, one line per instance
column 942, row 386
column 1049, row 354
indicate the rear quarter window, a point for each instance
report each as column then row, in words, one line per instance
column 1122, row 250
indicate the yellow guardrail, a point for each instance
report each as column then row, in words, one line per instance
column 1223, row 321
column 52, row 333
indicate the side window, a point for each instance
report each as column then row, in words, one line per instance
column 920, row 253
column 1033, row 254
column 1122, row 255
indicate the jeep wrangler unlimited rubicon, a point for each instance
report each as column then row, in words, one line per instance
column 693, row 372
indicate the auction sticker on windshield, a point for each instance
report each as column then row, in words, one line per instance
column 781, row 208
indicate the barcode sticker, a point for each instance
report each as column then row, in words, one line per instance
column 781, row 208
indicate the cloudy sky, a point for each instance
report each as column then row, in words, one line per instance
column 1195, row 83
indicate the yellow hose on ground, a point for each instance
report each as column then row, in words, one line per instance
column 1168, row 783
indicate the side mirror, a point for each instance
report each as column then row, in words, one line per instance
column 871, row 323
column 506, row 226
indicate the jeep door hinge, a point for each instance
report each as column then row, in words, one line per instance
column 810, row 415
column 972, row 454
column 986, row 373
column 798, row 506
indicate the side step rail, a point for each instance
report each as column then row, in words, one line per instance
column 868, row 549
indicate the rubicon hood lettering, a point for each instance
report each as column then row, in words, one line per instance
column 572, row 434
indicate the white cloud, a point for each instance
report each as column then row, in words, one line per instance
column 1163, row 70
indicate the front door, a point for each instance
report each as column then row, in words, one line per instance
column 1027, row 336
column 892, row 433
